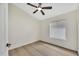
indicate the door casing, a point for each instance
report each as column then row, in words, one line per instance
column 3, row 29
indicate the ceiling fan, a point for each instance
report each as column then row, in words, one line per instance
column 39, row 8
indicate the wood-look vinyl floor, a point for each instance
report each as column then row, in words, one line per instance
column 41, row 49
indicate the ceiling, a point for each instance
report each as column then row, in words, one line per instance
column 58, row 8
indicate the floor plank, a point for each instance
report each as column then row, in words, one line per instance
column 32, row 51
column 41, row 49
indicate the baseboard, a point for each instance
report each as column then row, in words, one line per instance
column 19, row 44
column 58, row 46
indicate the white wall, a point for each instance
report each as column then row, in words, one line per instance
column 23, row 29
column 71, row 30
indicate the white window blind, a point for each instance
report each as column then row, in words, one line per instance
column 58, row 30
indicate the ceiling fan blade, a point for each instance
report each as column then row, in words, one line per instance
column 42, row 12
column 39, row 4
column 35, row 11
column 32, row 5
column 49, row 7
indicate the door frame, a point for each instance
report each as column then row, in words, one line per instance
column 6, row 24
column 77, row 31
column 4, row 28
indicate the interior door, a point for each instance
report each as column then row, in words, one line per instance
column 3, row 29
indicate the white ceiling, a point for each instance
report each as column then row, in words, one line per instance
column 58, row 8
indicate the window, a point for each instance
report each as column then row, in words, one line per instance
column 58, row 30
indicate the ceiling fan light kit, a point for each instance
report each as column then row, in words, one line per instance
column 39, row 8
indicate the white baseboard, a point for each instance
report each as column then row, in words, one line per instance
column 19, row 44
